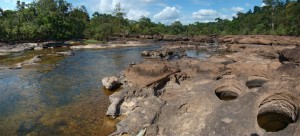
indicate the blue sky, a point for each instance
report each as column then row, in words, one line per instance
column 165, row 11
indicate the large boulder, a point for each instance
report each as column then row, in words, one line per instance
column 291, row 69
column 292, row 55
column 145, row 53
column 111, row 83
column 147, row 73
column 116, row 100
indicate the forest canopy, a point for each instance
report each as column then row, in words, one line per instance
column 43, row 20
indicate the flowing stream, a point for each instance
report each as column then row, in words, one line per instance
column 60, row 95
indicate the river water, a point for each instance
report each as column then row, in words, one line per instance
column 198, row 54
column 60, row 95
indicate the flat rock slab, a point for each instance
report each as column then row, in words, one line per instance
column 145, row 74
column 261, row 39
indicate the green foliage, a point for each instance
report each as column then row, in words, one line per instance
column 59, row 20
column 176, row 28
column 118, row 11
column 100, row 27
column 43, row 20
column 280, row 18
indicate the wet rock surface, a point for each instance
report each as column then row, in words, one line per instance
column 32, row 61
column 245, row 90
column 6, row 48
column 166, row 54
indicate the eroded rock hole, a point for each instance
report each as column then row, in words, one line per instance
column 277, row 112
column 227, row 93
column 255, row 82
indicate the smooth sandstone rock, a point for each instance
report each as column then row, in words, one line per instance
column 246, row 92
column 260, row 39
column 292, row 55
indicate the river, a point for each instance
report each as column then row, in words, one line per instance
column 61, row 95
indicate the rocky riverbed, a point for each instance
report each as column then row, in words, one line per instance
column 171, row 41
column 248, row 88
column 247, row 85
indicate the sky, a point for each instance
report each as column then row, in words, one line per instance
column 164, row 11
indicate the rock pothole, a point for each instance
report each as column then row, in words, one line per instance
column 227, row 93
column 277, row 112
column 255, row 82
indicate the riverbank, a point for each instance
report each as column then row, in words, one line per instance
column 146, row 40
column 251, row 87
column 111, row 45
column 6, row 49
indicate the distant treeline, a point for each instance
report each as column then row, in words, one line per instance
column 58, row 20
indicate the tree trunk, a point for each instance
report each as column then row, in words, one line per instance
column 273, row 10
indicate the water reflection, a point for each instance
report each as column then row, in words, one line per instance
column 199, row 54
column 66, row 99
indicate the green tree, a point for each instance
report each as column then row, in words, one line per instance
column 100, row 27
column 176, row 28
column 272, row 4
column 119, row 22
column 79, row 19
column 59, row 20
column 118, row 11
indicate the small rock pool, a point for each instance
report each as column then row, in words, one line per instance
column 198, row 54
column 61, row 95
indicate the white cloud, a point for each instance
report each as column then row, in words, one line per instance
column 263, row 4
column 148, row 1
column 134, row 9
column 104, row 6
column 248, row 4
column 107, row 6
column 15, row 1
column 8, row 1
column 137, row 14
column 11, row 4
column 237, row 9
column 169, row 13
column 208, row 15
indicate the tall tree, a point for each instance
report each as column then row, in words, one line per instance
column 119, row 23
column 176, row 28
column 272, row 4
column 118, row 11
